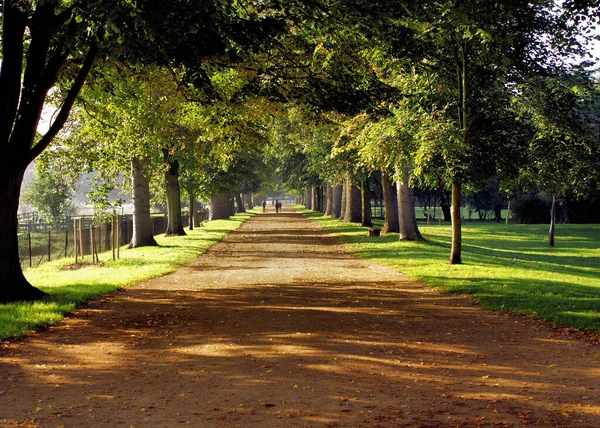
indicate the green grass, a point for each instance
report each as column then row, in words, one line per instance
column 68, row 288
column 505, row 267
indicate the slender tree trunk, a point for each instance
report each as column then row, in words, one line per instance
column 143, row 233
column 390, row 201
column 353, row 203
column 192, row 212
column 13, row 285
column 219, row 207
column 409, row 230
column 365, row 193
column 315, row 198
column 328, row 198
column 174, row 218
column 498, row 213
column 552, row 221
column 308, row 199
column 336, row 201
column 462, row 68
column 239, row 203
column 344, row 198
column 445, row 206
column 456, row 251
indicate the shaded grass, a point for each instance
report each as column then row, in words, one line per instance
column 70, row 285
column 505, row 267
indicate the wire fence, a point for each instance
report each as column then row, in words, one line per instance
column 38, row 247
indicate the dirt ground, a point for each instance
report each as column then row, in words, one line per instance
column 279, row 326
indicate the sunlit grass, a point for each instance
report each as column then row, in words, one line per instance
column 505, row 267
column 69, row 285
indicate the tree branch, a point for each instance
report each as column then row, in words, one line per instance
column 67, row 104
column 13, row 31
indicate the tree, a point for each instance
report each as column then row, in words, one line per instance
column 563, row 155
column 50, row 194
column 477, row 52
column 49, row 43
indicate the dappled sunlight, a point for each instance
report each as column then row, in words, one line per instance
column 264, row 332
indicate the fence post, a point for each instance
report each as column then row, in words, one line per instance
column 29, row 239
column 76, row 250
column 92, row 242
column 81, row 249
column 112, row 235
column 118, row 236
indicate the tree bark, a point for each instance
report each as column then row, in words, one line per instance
column 365, row 193
column 174, row 218
column 456, row 251
column 246, row 198
column 552, row 221
column 336, row 201
column 445, row 206
column 315, row 198
column 328, row 198
column 142, row 235
column 409, row 230
column 219, row 207
column 308, row 199
column 343, row 199
column 192, row 212
column 390, row 201
column 13, row 285
column 353, row 212
column 239, row 203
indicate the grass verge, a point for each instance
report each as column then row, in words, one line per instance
column 70, row 285
column 505, row 267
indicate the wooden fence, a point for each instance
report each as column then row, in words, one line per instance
column 37, row 247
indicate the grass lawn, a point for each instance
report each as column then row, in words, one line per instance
column 70, row 287
column 505, row 267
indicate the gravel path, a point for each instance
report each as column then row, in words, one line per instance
column 279, row 326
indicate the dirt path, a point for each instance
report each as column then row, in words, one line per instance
column 279, row 326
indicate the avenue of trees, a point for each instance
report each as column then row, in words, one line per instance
column 179, row 101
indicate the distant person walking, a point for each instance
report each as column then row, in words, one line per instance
column 264, row 205
column 277, row 206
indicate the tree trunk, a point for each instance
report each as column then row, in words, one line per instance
column 365, row 193
column 353, row 212
column 246, row 198
column 498, row 213
column 552, row 221
column 239, row 203
column 456, row 251
column 445, row 206
column 13, row 285
column 344, row 195
column 219, row 207
column 143, row 233
column 174, row 218
column 409, row 230
column 192, row 212
column 328, row 196
column 390, row 201
column 315, row 198
column 308, row 199
column 336, row 201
